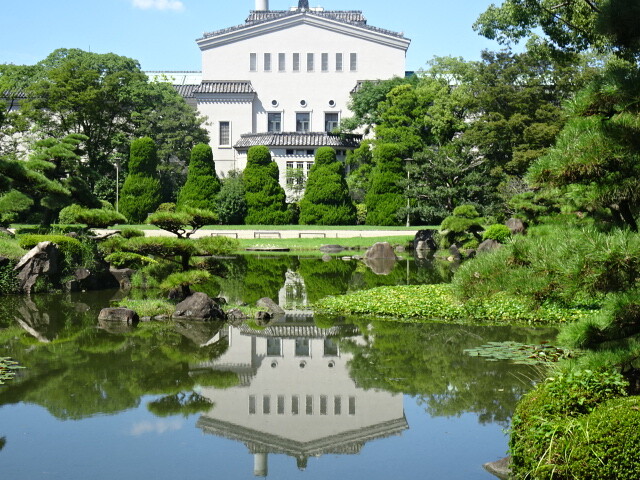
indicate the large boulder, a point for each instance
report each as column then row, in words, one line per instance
column 489, row 245
column 119, row 314
column 43, row 259
column 270, row 306
column 122, row 276
column 424, row 240
column 380, row 250
column 516, row 226
column 199, row 306
column 500, row 468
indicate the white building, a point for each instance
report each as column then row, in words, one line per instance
column 284, row 78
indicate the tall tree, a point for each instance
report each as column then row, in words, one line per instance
column 326, row 199
column 203, row 183
column 266, row 199
column 141, row 191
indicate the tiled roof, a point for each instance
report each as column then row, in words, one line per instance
column 186, row 91
column 237, row 86
column 293, row 139
column 353, row 17
column 13, row 94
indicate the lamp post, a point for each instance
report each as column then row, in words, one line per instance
column 407, row 162
column 116, row 164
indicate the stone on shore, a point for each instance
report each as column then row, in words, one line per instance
column 199, row 306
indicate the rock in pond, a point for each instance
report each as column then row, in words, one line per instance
column 499, row 468
column 40, row 260
column 118, row 315
column 380, row 250
column 200, row 306
column 270, row 306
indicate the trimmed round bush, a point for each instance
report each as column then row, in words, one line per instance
column 202, row 183
column 92, row 217
column 498, row 232
column 326, row 199
column 143, row 157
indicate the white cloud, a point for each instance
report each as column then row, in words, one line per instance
column 175, row 5
column 158, row 427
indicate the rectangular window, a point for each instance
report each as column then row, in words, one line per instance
column 253, row 62
column 338, row 62
column 309, row 62
column 337, row 405
column 323, row 404
column 252, row 404
column 325, row 62
column 302, row 347
column 352, row 405
column 290, row 178
column 296, row 62
column 330, row 122
column 309, row 405
column 295, row 405
column 280, row 404
column 267, row 62
column 225, row 134
column 274, row 122
column 274, row 348
column 353, row 62
column 303, row 122
column 330, row 348
column 266, row 404
column 282, row 62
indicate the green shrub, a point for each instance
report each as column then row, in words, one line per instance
column 143, row 157
column 202, row 185
column 68, row 245
column 498, row 232
column 141, row 192
column 93, row 217
column 326, row 200
column 232, row 205
column 548, row 415
column 463, row 226
column 385, row 196
column 266, row 199
column 604, row 444
column 131, row 233
column 10, row 248
column 8, row 278
column 140, row 196
column 218, row 245
column 184, row 280
column 128, row 260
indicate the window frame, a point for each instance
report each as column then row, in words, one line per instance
column 299, row 120
column 221, row 124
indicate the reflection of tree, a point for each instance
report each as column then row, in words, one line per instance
column 325, row 278
column 427, row 361
column 85, row 371
column 183, row 403
column 255, row 277
column 3, row 442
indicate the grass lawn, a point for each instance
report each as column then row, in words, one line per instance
column 316, row 243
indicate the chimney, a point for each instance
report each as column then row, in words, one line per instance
column 262, row 5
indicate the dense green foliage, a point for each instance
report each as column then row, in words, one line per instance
column 266, row 199
column 326, row 199
column 231, row 202
column 141, row 193
column 202, row 185
column 462, row 228
column 553, row 433
column 177, row 222
column 385, row 196
column 498, row 232
column 92, row 217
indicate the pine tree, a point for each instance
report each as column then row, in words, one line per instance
column 202, row 183
column 326, row 199
column 141, row 193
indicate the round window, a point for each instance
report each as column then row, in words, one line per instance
column 303, row 103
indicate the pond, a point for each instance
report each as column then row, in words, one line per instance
column 297, row 398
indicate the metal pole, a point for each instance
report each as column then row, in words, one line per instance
column 407, row 160
column 117, row 184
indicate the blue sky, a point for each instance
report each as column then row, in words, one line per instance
column 161, row 34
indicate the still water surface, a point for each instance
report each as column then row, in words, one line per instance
column 298, row 399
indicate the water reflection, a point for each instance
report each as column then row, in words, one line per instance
column 296, row 396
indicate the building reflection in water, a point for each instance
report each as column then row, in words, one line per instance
column 295, row 396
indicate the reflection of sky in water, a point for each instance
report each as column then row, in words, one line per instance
column 40, row 447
